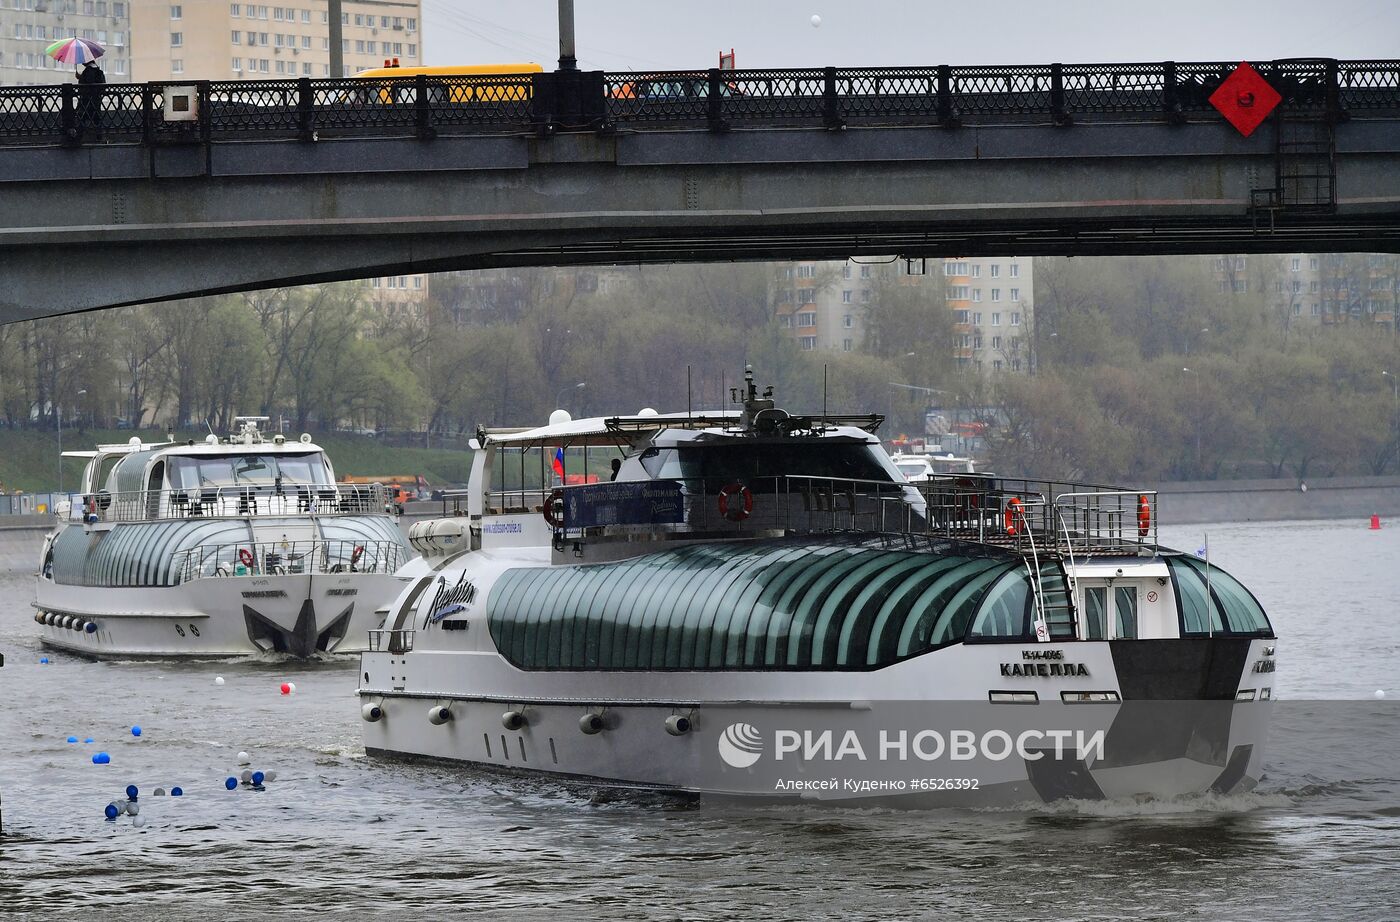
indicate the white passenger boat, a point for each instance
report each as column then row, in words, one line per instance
column 761, row 606
column 243, row 545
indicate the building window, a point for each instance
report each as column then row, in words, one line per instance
column 1014, row 271
column 996, row 318
column 865, row 294
column 996, row 364
column 977, row 318
column 1220, row 264
column 846, row 271
column 807, row 319
column 996, row 342
column 977, row 294
column 177, row 39
column 1297, row 286
column 995, row 271
column 846, row 296
column 412, row 24
column 237, row 65
column 1297, row 310
column 806, row 272
column 958, row 292
column 965, row 341
column 306, row 17
column 1312, row 263
column 1239, row 262
column 806, row 296
column 1295, row 264
column 374, row 283
column 237, row 37
column 785, row 321
column 845, row 345
column 177, row 66
column 976, row 271
column 1239, row 285
column 996, row 294
column 960, row 316
column 1015, row 319
column 808, row 343
column 848, row 321
column 1015, row 294
column 952, row 269
column 176, row 12
column 235, row 9
column 977, row 341
column 1313, row 286
column 418, row 281
column 865, row 272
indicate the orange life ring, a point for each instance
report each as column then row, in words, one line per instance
column 739, row 511
column 1013, row 506
column 245, row 557
column 554, row 509
column 1144, row 516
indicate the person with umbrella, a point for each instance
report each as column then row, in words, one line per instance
column 83, row 51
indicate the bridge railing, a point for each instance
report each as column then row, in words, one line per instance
column 831, row 97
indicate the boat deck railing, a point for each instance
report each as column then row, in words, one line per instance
column 282, row 558
column 1027, row 516
column 229, row 501
column 391, row 640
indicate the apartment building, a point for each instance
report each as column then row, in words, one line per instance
column 399, row 296
column 220, row 40
column 824, row 306
column 1313, row 289
column 27, row 27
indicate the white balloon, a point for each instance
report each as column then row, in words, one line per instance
column 243, row 759
column 1380, row 693
column 816, row 22
column 218, row 680
column 291, row 688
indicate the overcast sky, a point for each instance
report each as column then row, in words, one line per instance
column 630, row 35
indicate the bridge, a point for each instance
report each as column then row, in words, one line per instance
column 212, row 187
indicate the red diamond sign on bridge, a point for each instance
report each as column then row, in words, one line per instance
column 1245, row 99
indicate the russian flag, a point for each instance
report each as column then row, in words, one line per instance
column 558, row 463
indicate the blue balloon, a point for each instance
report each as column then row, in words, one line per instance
column 258, row 777
column 90, row 628
column 177, row 792
column 43, row 660
column 100, row 758
column 88, row 740
column 72, row 739
column 231, row 783
column 111, row 811
column 136, row 731
column 131, row 791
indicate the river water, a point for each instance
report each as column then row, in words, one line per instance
column 337, row 835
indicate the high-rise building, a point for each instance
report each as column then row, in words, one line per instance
column 219, row 40
column 27, row 27
column 397, row 296
column 824, row 305
column 1312, row 289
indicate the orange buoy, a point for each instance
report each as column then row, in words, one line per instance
column 1375, row 522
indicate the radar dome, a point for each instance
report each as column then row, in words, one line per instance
column 211, row 439
column 647, row 411
column 134, row 441
column 559, row 417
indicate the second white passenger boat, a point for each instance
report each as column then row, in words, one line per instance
column 242, row 545
column 761, row 606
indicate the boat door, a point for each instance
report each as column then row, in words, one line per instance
column 1109, row 610
column 155, row 489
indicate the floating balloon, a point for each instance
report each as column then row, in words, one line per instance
column 286, row 688
column 88, row 740
column 138, row 821
column 218, row 680
column 100, row 758
column 111, row 812
column 133, row 808
column 43, row 661
column 246, row 776
column 177, row 791
column 258, row 778
column 158, row 792
column 131, row 791
column 135, row 731
column 1380, row 693
column 816, row 22
column 270, row 776
column 243, row 758
column 230, row 783
column 72, row 739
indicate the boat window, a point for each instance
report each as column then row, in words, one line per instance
column 1125, row 612
column 1006, row 609
column 1095, row 611
column 1233, row 610
column 192, row 472
column 768, row 605
column 747, row 463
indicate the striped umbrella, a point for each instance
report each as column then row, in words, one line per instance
column 75, row 51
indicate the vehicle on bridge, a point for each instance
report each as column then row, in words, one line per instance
column 756, row 587
column 243, row 545
column 462, row 83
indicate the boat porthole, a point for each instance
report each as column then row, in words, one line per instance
column 194, row 630
column 179, row 630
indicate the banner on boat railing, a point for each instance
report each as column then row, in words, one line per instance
column 645, row 502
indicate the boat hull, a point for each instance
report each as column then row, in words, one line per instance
column 879, row 742
column 300, row 615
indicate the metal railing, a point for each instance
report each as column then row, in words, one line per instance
column 391, row 641
column 516, row 104
column 282, row 558
column 1028, row 516
column 239, row 501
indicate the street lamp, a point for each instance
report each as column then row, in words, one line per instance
column 58, row 414
column 1197, row 378
column 1395, row 390
column 559, row 395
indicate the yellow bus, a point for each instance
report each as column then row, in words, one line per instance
column 457, row 83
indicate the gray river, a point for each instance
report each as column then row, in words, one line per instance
column 337, row 835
